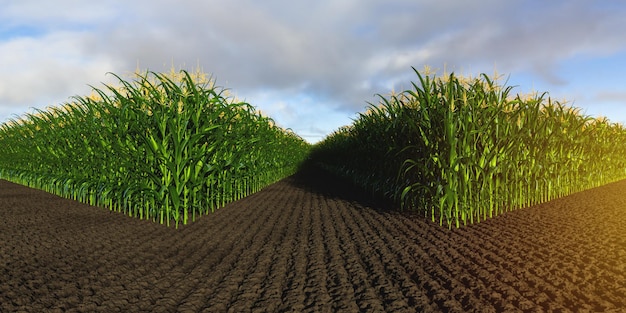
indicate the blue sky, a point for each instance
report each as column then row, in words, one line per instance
column 312, row 65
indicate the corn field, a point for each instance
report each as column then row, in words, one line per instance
column 463, row 150
column 163, row 148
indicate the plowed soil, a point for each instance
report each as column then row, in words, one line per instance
column 310, row 244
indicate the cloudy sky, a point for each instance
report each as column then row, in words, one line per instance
column 312, row 65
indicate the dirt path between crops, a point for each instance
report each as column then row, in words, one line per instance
column 309, row 244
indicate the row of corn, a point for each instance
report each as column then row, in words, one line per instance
column 464, row 149
column 160, row 147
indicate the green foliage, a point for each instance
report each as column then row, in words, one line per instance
column 157, row 148
column 464, row 150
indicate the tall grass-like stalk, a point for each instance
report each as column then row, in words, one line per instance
column 161, row 147
column 462, row 150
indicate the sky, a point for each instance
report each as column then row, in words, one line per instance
column 313, row 65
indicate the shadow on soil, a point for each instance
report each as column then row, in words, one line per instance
column 318, row 180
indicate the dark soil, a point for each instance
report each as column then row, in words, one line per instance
column 310, row 244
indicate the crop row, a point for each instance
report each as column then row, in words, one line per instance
column 173, row 147
column 462, row 150
column 161, row 147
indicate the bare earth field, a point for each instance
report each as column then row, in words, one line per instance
column 310, row 244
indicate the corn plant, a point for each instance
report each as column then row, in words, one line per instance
column 161, row 147
column 466, row 149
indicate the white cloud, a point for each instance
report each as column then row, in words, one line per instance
column 611, row 96
column 336, row 54
column 43, row 71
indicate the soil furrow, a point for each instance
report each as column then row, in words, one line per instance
column 312, row 243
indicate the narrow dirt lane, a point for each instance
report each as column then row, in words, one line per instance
column 309, row 243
